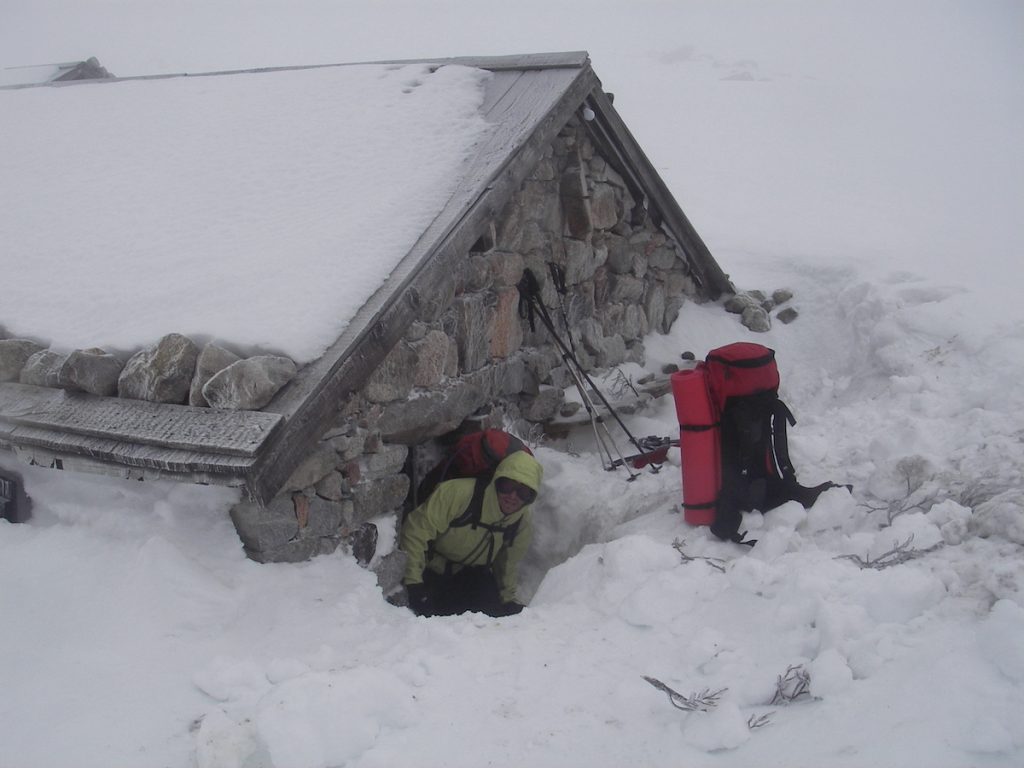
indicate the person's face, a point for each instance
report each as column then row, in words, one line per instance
column 512, row 496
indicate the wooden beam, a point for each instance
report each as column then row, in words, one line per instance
column 155, row 468
column 524, row 62
column 200, row 430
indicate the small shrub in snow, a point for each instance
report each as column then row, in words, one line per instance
column 620, row 386
column 914, row 472
column 791, row 686
column 900, row 553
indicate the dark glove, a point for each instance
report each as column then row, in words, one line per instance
column 419, row 599
column 510, row 608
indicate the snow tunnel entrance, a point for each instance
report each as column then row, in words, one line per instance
column 580, row 503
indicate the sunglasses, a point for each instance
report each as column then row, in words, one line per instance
column 505, row 486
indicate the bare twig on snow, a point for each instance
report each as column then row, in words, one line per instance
column 716, row 563
column 900, row 553
column 696, row 702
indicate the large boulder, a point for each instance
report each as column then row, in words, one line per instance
column 756, row 319
column 506, row 331
column 91, row 370
column 582, row 258
column 211, row 361
column 14, row 354
column 544, row 405
column 654, row 309
column 263, row 529
column 161, row 373
column 393, row 379
column 433, row 414
column 436, row 356
column 43, row 369
column 473, row 317
column 625, row 289
column 373, row 498
column 740, row 302
column 575, row 203
column 604, row 207
column 249, row 384
column 313, row 469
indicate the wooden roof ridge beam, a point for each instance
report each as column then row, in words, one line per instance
column 520, row 62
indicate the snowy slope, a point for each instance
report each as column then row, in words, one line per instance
column 865, row 156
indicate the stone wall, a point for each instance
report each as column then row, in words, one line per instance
column 470, row 354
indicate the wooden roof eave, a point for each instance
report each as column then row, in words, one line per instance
column 131, row 438
column 528, row 111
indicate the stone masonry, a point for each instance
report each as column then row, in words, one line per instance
column 470, row 354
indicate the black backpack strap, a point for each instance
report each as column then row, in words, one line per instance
column 780, row 415
column 471, row 516
column 472, row 513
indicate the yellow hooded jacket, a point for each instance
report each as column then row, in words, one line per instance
column 430, row 541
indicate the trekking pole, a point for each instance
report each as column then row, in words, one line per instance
column 530, row 289
column 571, row 360
column 558, row 278
column 597, row 421
column 596, row 418
column 607, row 459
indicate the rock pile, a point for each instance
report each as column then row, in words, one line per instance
column 755, row 308
column 174, row 370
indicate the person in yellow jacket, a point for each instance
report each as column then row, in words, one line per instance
column 464, row 559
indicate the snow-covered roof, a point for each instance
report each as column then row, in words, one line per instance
column 37, row 74
column 182, row 204
column 304, row 211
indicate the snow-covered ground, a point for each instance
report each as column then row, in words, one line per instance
column 865, row 156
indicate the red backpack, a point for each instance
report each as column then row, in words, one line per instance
column 477, row 454
column 735, row 450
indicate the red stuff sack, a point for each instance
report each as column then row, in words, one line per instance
column 477, row 454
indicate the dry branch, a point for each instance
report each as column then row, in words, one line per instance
column 900, row 553
column 621, row 384
column 696, row 702
column 716, row 563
